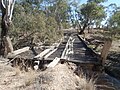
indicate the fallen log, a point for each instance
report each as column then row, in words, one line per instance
column 16, row 52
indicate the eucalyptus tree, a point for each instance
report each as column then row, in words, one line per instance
column 38, row 18
column 59, row 10
column 89, row 14
column 74, row 12
column 97, row 1
column 6, row 7
column 112, row 8
column 114, row 20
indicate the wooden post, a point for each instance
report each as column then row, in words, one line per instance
column 105, row 50
column 8, row 44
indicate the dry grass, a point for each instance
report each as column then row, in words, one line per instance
column 85, row 82
column 61, row 77
column 14, row 79
column 30, row 78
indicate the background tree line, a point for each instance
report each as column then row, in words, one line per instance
column 38, row 20
column 43, row 20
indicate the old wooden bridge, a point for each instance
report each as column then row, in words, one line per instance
column 71, row 48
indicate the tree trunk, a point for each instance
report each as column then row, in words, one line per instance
column 5, row 44
column 82, row 30
column 84, row 27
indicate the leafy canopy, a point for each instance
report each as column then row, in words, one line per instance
column 115, row 20
column 92, row 11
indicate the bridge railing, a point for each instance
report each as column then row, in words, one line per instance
column 68, row 48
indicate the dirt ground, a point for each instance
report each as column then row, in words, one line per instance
column 12, row 78
column 97, row 37
column 115, row 46
column 61, row 77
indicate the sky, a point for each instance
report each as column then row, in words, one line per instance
column 117, row 2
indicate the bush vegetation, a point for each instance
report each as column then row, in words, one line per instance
column 31, row 21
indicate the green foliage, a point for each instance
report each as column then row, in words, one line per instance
column 31, row 22
column 114, row 24
column 115, row 20
column 97, row 1
column 92, row 11
column 59, row 10
column 65, row 25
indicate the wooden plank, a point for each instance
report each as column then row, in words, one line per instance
column 65, row 52
column 53, row 63
column 83, row 61
column 105, row 50
column 47, row 55
column 42, row 53
column 16, row 52
column 86, row 46
column 48, row 51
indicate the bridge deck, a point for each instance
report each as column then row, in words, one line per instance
column 80, row 53
column 59, row 51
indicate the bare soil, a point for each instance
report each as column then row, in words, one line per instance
column 96, row 37
column 61, row 77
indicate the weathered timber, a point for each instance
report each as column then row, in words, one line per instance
column 86, row 46
column 16, row 52
column 55, row 49
column 54, row 62
column 8, row 44
column 43, row 53
column 65, row 52
column 83, row 61
column 105, row 50
column 46, row 56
